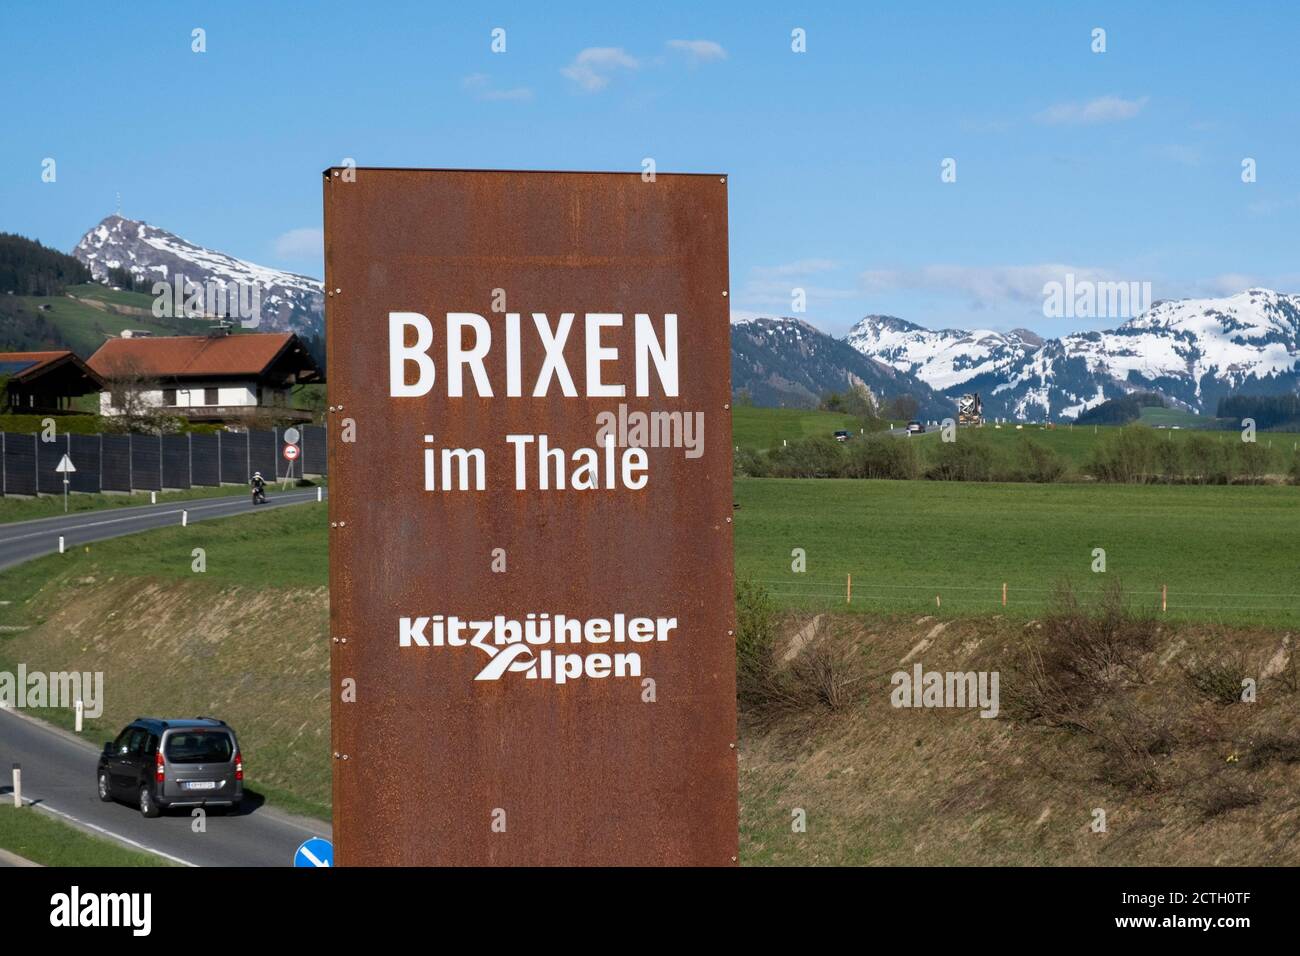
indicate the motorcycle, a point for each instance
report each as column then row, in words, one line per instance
column 259, row 496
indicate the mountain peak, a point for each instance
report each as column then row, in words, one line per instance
column 289, row 302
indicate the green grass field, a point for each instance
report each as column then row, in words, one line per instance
column 47, row 840
column 1226, row 553
column 1153, row 415
column 763, row 428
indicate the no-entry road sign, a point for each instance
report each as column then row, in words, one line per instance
column 531, row 595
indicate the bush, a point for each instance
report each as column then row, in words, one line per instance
column 1220, row 680
column 967, row 459
column 882, row 456
column 826, row 673
column 1252, row 461
column 817, row 457
column 746, row 463
column 1034, row 461
column 1132, row 455
column 755, row 643
column 1084, row 651
column 1205, row 460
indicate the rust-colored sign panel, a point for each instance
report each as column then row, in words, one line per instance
column 530, row 518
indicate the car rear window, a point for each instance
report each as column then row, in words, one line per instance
column 199, row 746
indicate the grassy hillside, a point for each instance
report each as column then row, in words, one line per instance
column 87, row 315
column 1183, row 772
column 905, row 542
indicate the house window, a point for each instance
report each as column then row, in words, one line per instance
column 209, row 396
column 169, row 396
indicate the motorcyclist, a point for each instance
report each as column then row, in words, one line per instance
column 259, row 487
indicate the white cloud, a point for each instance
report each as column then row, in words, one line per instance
column 594, row 67
column 801, row 267
column 982, row 286
column 1103, row 109
column 299, row 244
column 699, row 51
column 480, row 84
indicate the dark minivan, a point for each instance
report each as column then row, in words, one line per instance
column 186, row 762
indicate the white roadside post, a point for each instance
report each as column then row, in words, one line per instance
column 80, row 709
column 18, row 785
column 60, row 544
column 65, row 467
column 185, row 518
column 153, row 497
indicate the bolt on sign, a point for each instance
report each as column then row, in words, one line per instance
column 531, row 594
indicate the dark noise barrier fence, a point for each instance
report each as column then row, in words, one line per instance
column 28, row 465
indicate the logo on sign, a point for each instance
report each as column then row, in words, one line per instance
column 542, row 646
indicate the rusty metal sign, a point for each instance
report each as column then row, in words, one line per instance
column 531, row 595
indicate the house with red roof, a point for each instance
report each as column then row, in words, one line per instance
column 44, row 383
column 214, row 378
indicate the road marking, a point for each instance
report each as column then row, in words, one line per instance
column 152, row 514
column 109, row 833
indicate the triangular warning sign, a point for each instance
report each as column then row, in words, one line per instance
column 65, row 465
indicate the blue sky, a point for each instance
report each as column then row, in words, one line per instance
column 1119, row 165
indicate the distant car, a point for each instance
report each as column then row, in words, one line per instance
column 915, row 428
column 187, row 762
column 841, row 435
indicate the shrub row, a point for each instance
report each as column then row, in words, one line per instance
column 1136, row 454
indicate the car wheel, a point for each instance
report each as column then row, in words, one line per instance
column 104, row 793
column 148, row 807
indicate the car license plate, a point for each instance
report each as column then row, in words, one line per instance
column 201, row 785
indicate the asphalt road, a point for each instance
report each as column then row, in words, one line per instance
column 59, row 768
column 59, row 778
column 23, row 540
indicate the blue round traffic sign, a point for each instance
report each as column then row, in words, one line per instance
column 315, row 852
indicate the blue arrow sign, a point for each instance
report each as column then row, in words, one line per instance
column 315, row 852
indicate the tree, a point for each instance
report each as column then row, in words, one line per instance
column 133, row 409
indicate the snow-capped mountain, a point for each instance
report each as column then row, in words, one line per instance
column 287, row 301
column 944, row 359
column 785, row 361
column 1193, row 351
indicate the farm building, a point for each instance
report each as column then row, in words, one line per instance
column 215, row 378
column 45, row 383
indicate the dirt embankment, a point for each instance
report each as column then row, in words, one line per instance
column 1116, row 742
column 255, row 657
